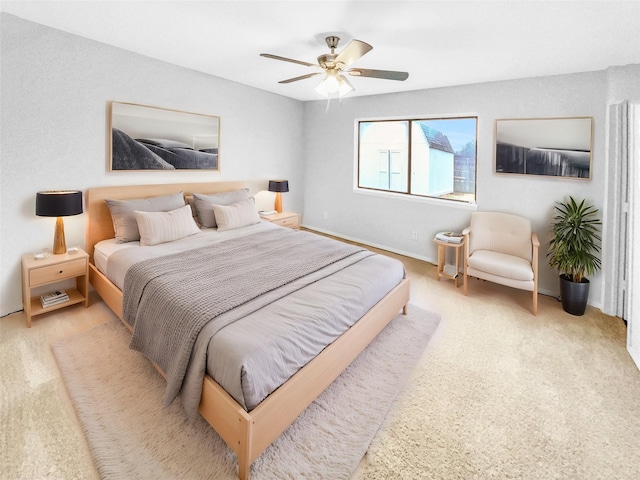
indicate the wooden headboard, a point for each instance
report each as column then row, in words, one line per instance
column 99, row 224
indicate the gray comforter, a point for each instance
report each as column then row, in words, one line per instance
column 169, row 300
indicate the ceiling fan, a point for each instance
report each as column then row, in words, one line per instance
column 334, row 66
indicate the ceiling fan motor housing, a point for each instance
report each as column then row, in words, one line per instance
column 328, row 61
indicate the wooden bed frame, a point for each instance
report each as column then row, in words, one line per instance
column 248, row 434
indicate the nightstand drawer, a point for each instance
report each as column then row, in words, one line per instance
column 61, row 271
column 291, row 222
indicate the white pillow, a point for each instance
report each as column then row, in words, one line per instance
column 236, row 215
column 162, row 227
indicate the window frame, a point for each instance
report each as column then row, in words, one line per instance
column 408, row 195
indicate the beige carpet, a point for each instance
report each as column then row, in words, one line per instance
column 501, row 394
column 498, row 394
column 118, row 398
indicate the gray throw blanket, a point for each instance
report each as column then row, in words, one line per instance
column 169, row 299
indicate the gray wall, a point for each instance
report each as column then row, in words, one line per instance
column 332, row 205
column 55, row 90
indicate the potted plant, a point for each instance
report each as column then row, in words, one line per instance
column 572, row 251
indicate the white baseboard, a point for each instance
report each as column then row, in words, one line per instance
column 372, row 244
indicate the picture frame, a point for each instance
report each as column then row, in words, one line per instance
column 144, row 137
column 553, row 147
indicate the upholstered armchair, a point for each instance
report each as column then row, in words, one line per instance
column 501, row 248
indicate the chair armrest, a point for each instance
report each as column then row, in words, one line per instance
column 534, row 239
column 466, row 231
column 534, row 261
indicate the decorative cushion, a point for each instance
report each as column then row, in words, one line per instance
column 502, row 265
column 162, row 227
column 124, row 221
column 236, row 215
column 204, row 204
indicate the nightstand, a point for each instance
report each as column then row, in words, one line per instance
column 444, row 270
column 284, row 219
column 48, row 271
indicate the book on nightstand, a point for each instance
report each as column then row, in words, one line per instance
column 450, row 270
column 53, row 298
column 449, row 237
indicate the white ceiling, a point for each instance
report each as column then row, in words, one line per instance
column 440, row 43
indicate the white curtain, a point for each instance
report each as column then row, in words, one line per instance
column 623, row 231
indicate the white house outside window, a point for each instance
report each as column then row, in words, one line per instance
column 422, row 157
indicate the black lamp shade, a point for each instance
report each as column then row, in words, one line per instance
column 278, row 185
column 59, row 203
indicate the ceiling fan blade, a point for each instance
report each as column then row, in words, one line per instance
column 295, row 79
column 353, row 51
column 385, row 74
column 284, row 59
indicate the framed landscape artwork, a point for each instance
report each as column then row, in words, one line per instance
column 143, row 137
column 555, row 147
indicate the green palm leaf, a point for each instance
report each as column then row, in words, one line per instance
column 575, row 240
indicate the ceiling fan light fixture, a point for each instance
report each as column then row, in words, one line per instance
column 334, row 83
column 345, row 86
column 330, row 84
column 321, row 90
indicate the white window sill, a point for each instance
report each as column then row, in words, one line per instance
column 415, row 198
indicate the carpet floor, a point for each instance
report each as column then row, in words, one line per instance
column 118, row 395
column 497, row 394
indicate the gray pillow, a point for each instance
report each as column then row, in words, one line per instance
column 204, row 204
column 124, row 220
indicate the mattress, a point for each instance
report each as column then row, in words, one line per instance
column 251, row 357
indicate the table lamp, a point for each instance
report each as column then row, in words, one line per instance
column 278, row 186
column 59, row 203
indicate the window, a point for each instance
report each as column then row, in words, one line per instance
column 421, row 157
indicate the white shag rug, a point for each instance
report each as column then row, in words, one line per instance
column 118, row 395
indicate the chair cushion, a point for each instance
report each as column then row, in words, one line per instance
column 500, row 264
column 501, row 232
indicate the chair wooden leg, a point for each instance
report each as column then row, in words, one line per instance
column 535, row 302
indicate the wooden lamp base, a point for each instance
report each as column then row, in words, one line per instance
column 278, row 203
column 59, row 244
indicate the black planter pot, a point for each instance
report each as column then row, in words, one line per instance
column 574, row 296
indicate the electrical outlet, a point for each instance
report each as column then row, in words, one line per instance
column 414, row 235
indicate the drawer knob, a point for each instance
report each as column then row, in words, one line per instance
column 61, row 271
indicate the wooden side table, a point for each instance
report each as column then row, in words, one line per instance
column 448, row 271
column 284, row 219
column 48, row 271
